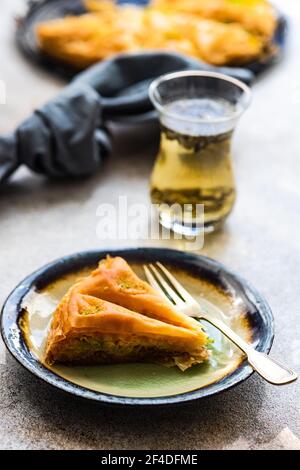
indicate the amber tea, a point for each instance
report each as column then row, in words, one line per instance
column 193, row 166
column 198, row 112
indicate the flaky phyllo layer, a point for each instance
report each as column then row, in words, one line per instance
column 112, row 316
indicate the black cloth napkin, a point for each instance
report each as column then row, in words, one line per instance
column 68, row 137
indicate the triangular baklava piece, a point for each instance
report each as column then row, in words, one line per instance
column 87, row 330
column 116, row 282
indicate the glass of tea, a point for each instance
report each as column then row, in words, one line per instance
column 198, row 112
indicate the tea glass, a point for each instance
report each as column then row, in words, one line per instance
column 198, row 112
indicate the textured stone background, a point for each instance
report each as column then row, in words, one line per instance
column 41, row 221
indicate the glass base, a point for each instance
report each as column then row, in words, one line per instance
column 188, row 229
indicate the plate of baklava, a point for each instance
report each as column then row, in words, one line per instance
column 67, row 36
column 91, row 325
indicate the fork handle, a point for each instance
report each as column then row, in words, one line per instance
column 268, row 368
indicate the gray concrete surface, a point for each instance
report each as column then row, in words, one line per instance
column 42, row 220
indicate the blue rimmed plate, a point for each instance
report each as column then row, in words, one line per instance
column 28, row 309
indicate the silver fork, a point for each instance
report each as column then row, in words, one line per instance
column 166, row 284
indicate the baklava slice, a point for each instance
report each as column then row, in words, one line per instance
column 257, row 16
column 87, row 330
column 115, row 281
